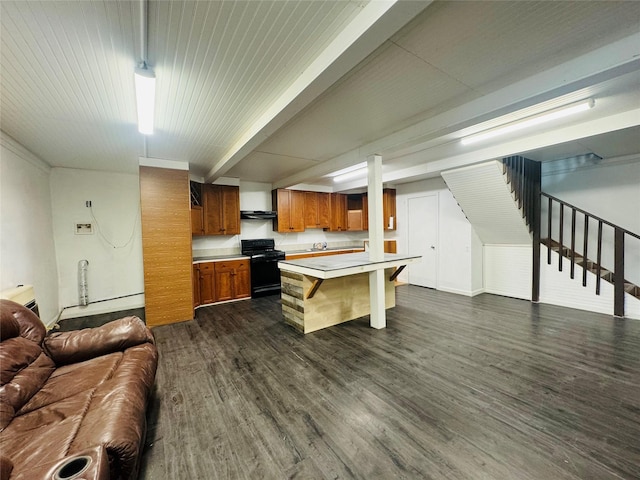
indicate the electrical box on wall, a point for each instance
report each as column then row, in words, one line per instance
column 84, row 229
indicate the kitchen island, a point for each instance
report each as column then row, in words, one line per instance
column 324, row 291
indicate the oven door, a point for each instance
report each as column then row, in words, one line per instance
column 265, row 277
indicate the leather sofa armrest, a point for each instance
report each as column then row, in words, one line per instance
column 79, row 345
column 89, row 464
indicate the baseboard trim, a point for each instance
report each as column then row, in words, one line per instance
column 466, row 293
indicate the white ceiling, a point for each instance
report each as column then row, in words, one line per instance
column 287, row 91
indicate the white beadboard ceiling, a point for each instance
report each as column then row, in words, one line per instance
column 411, row 77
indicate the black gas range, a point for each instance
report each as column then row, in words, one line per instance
column 265, row 274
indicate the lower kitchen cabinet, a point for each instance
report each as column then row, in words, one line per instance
column 196, row 285
column 221, row 281
column 232, row 280
column 206, row 282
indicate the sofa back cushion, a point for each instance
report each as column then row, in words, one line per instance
column 24, row 367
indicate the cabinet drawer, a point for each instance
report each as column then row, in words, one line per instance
column 206, row 267
column 234, row 264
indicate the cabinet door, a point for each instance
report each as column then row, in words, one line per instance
column 207, row 282
column 230, row 208
column 241, row 279
column 324, row 210
column 338, row 212
column 389, row 208
column 197, row 226
column 365, row 211
column 212, row 199
column 290, row 207
column 311, row 210
column 296, row 217
column 223, row 281
column 280, row 201
column 196, row 285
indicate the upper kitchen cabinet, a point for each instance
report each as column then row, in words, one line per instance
column 317, row 209
column 389, row 208
column 290, row 207
column 355, row 212
column 221, row 209
column 338, row 213
column 197, row 214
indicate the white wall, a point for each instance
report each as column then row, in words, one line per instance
column 257, row 196
column 459, row 248
column 112, row 272
column 27, row 251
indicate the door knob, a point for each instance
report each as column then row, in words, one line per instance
column 432, row 247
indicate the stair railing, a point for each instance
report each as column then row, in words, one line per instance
column 524, row 177
column 616, row 275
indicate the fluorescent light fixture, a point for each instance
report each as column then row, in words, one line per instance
column 338, row 175
column 354, row 173
column 531, row 121
column 145, row 98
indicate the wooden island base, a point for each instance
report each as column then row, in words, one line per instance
column 335, row 301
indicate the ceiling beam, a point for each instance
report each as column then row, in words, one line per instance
column 606, row 63
column 377, row 21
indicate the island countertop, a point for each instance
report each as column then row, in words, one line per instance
column 342, row 265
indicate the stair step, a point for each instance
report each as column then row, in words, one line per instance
column 632, row 289
column 592, row 266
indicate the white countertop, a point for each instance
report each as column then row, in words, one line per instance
column 333, row 266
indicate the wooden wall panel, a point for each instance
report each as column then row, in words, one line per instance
column 166, row 245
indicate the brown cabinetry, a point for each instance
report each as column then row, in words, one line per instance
column 196, row 285
column 335, row 212
column 389, row 208
column 338, row 213
column 221, row 281
column 290, row 207
column 317, row 209
column 232, row 280
column 221, row 209
column 204, row 281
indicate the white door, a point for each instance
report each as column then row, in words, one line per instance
column 423, row 239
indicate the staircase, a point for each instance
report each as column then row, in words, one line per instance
column 487, row 202
column 571, row 235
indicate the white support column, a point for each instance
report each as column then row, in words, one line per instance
column 376, row 241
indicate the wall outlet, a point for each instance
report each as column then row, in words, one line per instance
column 87, row 203
column 84, row 229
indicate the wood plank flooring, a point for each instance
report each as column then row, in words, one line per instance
column 454, row 388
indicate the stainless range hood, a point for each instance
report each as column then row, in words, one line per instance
column 258, row 214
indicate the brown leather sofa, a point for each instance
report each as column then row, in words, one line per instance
column 72, row 404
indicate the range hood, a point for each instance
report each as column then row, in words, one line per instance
column 258, row 214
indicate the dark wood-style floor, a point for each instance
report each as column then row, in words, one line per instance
column 454, row 387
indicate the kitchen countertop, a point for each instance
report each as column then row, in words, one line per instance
column 219, row 258
column 320, row 250
column 341, row 265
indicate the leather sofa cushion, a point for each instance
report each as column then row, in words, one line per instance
column 9, row 326
column 72, row 379
column 44, row 434
column 31, row 327
column 79, row 345
column 24, row 369
column 118, row 404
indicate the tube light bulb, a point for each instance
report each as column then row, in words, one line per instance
column 349, row 175
column 145, row 98
column 531, row 121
